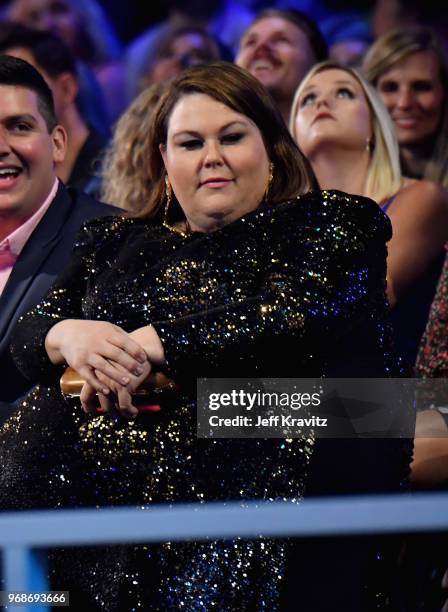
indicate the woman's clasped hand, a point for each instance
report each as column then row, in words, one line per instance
column 111, row 361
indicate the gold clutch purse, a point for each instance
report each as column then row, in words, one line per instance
column 146, row 398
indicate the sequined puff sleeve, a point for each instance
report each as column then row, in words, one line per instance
column 324, row 262
column 63, row 301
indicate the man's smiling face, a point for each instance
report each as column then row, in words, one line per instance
column 28, row 152
column 277, row 53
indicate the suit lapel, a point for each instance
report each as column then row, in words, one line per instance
column 36, row 251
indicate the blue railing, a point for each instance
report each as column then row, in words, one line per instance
column 24, row 536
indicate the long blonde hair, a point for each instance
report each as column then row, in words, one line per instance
column 126, row 180
column 384, row 176
column 390, row 49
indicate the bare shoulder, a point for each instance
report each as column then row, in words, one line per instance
column 425, row 190
column 421, row 196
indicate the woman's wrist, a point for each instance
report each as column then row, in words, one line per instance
column 52, row 343
column 150, row 342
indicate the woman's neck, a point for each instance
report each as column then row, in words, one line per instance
column 414, row 159
column 284, row 106
column 341, row 169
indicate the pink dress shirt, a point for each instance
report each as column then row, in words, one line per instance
column 12, row 245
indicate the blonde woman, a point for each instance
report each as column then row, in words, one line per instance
column 345, row 132
column 409, row 69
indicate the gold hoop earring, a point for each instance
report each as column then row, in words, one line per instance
column 169, row 199
column 270, row 179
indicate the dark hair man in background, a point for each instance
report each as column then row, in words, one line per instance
column 55, row 62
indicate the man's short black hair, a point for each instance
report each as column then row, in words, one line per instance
column 302, row 21
column 16, row 72
column 49, row 51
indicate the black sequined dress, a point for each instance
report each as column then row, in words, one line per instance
column 294, row 290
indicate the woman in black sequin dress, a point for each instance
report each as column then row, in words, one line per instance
column 241, row 275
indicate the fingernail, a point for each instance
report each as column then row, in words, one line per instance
column 125, row 380
column 105, row 390
column 138, row 371
column 141, row 357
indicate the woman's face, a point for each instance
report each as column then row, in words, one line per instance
column 216, row 162
column 332, row 110
column 413, row 94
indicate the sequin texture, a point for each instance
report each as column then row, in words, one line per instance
column 273, row 294
column 432, row 360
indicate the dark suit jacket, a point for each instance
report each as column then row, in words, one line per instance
column 44, row 256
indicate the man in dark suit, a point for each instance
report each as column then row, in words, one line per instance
column 39, row 217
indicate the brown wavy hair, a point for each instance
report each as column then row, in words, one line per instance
column 126, row 179
column 240, row 91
